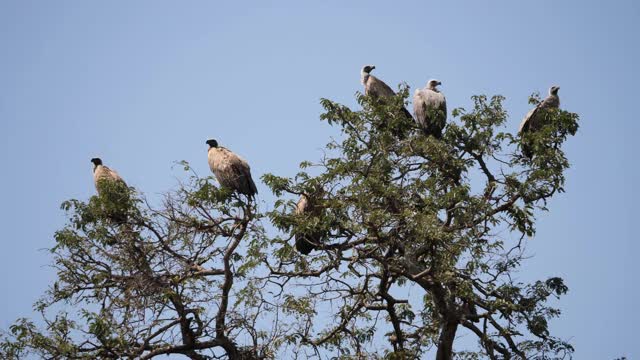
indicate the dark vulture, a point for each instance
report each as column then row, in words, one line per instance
column 307, row 241
column 534, row 120
column 430, row 109
column 470, row 308
column 112, row 189
column 376, row 88
column 232, row 171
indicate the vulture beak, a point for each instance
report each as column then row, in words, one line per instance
column 372, row 67
column 439, row 82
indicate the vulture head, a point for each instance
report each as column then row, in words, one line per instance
column 367, row 69
column 554, row 90
column 212, row 143
column 96, row 161
column 433, row 83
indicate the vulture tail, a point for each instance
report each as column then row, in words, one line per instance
column 307, row 242
column 433, row 131
column 252, row 185
column 303, row 245
column 407, row 114
column 527, row 151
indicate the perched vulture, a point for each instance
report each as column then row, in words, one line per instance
column 534, row 120
column 430, row 109
column 231, row 170
column 112, row 189
column 470, row 308
column 376, row 88
column 306, row 241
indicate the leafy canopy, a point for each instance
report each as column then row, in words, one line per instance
column 418, row 239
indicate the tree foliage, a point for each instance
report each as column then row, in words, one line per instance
column 419, row 238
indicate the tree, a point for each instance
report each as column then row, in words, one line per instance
column 420, row 236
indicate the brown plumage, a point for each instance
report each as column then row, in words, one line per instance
column 101, row 173
column 232, row 171
column 307, row 241
column 377, row 88
column 534, row 120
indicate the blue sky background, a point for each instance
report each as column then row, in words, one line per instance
column 143, row 84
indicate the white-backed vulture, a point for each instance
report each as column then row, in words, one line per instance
column 232, row 171
column 307, row 241
column 377, row 88
column 534, row 120
column 102, row 173
column 112, row 189
column 430, row 109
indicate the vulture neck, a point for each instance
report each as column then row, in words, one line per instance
column 364, row 77
column 217, row 149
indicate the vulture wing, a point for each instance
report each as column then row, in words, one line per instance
column 377, row 88
column 115, row 176
column 419, row 108
column 528, row 120
column 406, row 113
column 231, row 171
column 531, row 121
column 430, row 108
column 534, row 120
column 242, row 178
column 550, row 102
column 103, row 173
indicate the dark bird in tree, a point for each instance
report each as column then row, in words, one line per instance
column 112, row 189
column 308, row 240
column 470, row 309
column 535, row 118
column 430, row 109
column 232, row 171
column 377, row 88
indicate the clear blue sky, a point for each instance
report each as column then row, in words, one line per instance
column 142, row 84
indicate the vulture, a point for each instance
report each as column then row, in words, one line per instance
column 534, row 120
column 112, row 189
column 376, row 88
column 306, row 241
column 470, row 309
column 232, row 171
column 430, row 109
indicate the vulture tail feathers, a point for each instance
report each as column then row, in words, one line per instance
column 303, row 245
column 252, row 185
column 527, row 150
column 243, row 182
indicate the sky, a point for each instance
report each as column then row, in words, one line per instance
column 143, row 84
